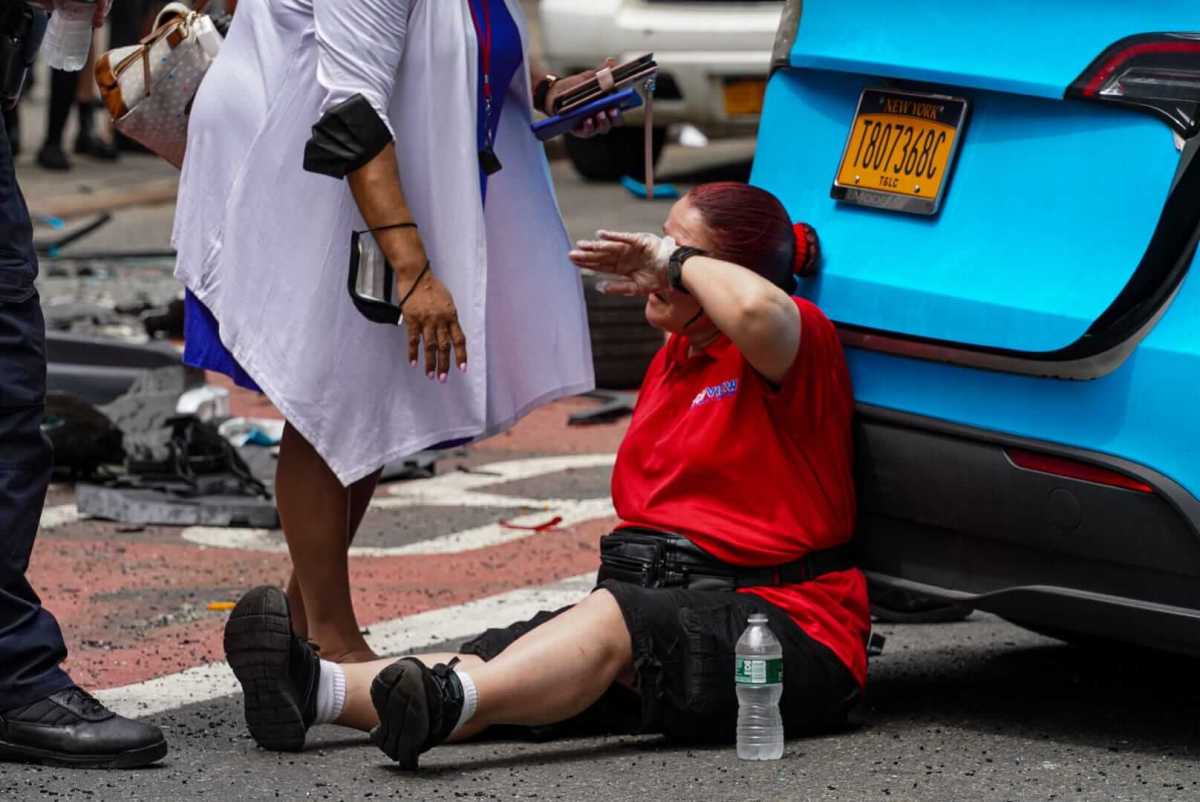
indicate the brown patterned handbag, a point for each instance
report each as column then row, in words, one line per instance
column 148, row 88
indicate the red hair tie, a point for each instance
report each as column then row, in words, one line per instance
column 808, row 250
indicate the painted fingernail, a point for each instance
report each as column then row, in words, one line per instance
column 463, row 367
column 412, row 363
column 430, row 376
column 443, row 378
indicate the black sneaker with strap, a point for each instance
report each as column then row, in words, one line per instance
column 279, row 671
column 418, row 707
column 71, row 728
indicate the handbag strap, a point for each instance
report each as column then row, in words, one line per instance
column 180, row 10
column 162, row 30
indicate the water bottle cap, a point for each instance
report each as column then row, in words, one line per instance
column 758, row 618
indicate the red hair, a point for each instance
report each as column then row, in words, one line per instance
column 749, row 226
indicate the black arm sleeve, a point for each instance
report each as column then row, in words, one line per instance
column 347, row 137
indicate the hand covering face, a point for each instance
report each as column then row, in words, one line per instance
column 639, row 259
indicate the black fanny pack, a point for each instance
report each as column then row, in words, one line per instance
column 654, row 559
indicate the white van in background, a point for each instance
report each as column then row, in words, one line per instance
column 713, row 58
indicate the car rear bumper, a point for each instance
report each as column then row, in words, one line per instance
column 945, row 511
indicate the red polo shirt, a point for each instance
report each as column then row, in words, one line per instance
column 752, row 473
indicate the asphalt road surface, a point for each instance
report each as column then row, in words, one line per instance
column 977, row 710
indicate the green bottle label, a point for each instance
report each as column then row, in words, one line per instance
column 757, row 671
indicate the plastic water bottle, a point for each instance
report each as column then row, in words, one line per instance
column 69, row 34
column 758, row 675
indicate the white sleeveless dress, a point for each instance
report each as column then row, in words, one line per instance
column 265, row 245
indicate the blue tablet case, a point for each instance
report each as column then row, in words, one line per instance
column 561, row 124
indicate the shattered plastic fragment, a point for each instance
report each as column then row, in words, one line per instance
column 542, row 527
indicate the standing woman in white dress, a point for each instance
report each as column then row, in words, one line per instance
column 321, row 117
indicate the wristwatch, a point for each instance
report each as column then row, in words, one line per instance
column 542, row 91
column 675, row 266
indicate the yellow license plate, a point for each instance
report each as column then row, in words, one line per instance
column 900, row 150
column 744, row 97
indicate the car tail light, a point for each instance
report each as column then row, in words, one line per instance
column 1158, row 73
column 1073, row 469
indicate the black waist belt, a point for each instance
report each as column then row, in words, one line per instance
column 656, row 559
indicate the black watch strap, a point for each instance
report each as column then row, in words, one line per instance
column 675, row 266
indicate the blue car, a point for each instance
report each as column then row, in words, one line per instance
column 1008, row 198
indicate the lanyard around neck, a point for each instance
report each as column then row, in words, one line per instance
column 483, row 30
column 488, row 161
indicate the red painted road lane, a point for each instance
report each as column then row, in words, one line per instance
column 134, row 607
column 135, row 611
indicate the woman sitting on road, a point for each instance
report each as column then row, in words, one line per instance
column 734, row 487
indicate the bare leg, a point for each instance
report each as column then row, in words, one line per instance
column 550, row 674
column 296, row 607
column 314, row 508
column 360, row 497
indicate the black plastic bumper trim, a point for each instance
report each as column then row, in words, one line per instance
column 1187, row 505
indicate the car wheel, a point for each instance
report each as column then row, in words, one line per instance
column 619, row 153
column 623, row 343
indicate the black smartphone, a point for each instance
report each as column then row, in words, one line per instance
column 623, row 75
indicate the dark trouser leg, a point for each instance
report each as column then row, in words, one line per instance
column 63, row 87
column 31, row 644
column 12, row 124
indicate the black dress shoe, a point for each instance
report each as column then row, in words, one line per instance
column 278, row 670
column 97, row 148
column 418, row 707
column 71, row 728
column 52, row 157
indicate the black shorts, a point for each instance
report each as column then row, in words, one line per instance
column 683, row 657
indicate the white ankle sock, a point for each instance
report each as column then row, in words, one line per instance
column 470, row 699
column 331, row 693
